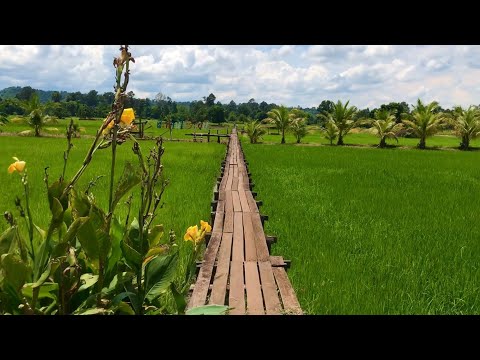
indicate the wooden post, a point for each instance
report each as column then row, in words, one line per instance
column 218, row 138
column 208, row 136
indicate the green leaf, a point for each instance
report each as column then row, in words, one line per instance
column 132, row 256
column 179, row 299
column 131, row 176
column 117, row 299
column 93, row 236
column 159, row 274
column 43, row 233
column 88, row 239
column 15, row 272
column 124, row 308
column 119, row 279
column 67, row 217
column 116, row 234
column 55, row 190
column 208, row 310
column 155, row 235
column 57, row 212
column 43, row 277
column 45, row 290
column 80, row 204
column 88, row 280
column 73, row 229
column 96, row 311
column 157, row 250
column 6, row 240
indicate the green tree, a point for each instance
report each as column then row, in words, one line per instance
column 299, row 124
column 216, row 114
column 35, row 115
column 384, row 125
column 25, row 93
column 424, row 121
column 210, row 100
column 330, row 131
column 281, row 118
column 56, row 97
column 466, row 123
column 343, row 116
column 254, row 130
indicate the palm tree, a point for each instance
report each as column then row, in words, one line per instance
column 34, row 111
column 424, row 121
column 343, row 117
column 298, row 124
column 254, row 131
column 384, row 125
column 281, row 118
column 467, row 124
column 330, row 131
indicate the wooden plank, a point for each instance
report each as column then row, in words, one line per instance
column 289, row 299
column 248, row 233
column 277, row 261
column 236, row 296
column 199, row 295
column 251, row 201
column 269, row 288
column 260, row 239
column 221, row 195
column 235, row 171
column 235, row 183
column 243, row 201
column 228, row 185
column 228, row 201
column 220, row 280
column 254, row 291
column 220, row 206
column 236, row 201
column 228, row 222
column 218, row 223
column 238, row 243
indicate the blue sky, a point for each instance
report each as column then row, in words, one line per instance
column 367, row 75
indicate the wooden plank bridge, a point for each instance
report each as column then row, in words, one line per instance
column 237, row 269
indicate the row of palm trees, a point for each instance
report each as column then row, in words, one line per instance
column 425, row 120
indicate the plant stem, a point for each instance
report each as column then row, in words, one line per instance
column 30, row 220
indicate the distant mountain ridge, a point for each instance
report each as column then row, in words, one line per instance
column 43, row 95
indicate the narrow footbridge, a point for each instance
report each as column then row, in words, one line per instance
column 237, row 269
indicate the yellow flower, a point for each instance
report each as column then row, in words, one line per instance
column 16, row 166
column 205, row 226
column 127, row 116
column 191, row 234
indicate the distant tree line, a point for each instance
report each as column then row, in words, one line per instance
column 95, row 105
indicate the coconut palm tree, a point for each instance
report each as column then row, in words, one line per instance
column 425, row 121
column 330, row 131
column 299, row 124
column 466, row 123
column 254, row 131
column 384, row 125
column 343, row 117
column 35, row 115
column 281, row 118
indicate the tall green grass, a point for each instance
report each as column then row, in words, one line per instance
column 373, row 231
column 191, row 167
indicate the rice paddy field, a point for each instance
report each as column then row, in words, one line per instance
column 374, row 231
column 186, row 199
column 369, row 231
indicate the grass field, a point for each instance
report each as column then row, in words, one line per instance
column 186, row 199
column 373, row 231
column 90, row 127
column 314, row 136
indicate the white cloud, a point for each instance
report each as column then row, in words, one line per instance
column 367, row 75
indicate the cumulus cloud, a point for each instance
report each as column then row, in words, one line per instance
column 367, row 75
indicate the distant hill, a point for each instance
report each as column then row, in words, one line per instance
column 43, row 95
